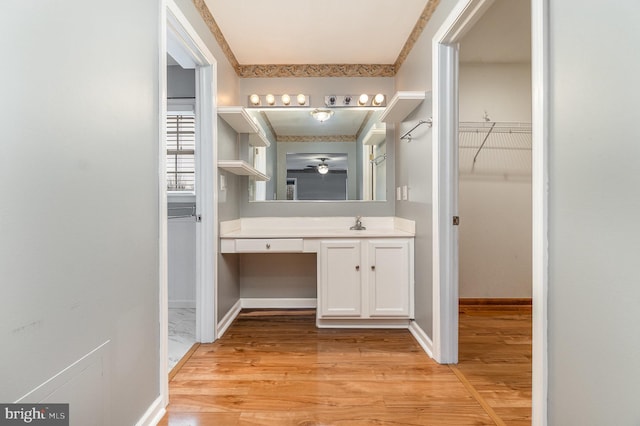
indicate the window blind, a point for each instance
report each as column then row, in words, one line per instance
column 181, row 144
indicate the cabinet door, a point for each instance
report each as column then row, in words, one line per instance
column 389, row 270
column 340, row 291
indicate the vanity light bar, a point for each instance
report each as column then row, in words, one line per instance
column 363, row 100
column 280, row 101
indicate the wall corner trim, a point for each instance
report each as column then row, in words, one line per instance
column 421, row 337
column 154, row 413
column 228, row 318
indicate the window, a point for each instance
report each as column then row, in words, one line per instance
column 181, row 145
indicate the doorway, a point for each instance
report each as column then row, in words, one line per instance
column 195, row 200
column 445, row 55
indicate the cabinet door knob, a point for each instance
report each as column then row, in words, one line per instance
column 357, row 267
column 268, row 246
column 373, row 267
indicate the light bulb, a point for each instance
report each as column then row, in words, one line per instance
column 363, row 99
column 270, row 99
column 286, row 99
column 378, row 99
column 323, row 169
column 302, row 99
column 254, row 99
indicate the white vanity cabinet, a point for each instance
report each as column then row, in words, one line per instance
column 366, row 279
column 390, row 270
column 339, row 282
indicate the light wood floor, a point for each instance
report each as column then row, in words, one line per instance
column 274, row 369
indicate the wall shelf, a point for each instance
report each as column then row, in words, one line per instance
column 375, row 135
column 242, row 122
column 401, row 105
column 242, row 168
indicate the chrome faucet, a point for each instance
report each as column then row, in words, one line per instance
column 358, row 226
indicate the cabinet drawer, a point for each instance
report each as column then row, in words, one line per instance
column 269, row 245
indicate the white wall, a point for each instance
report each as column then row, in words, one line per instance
column 79, row 220
column 495, row 210
column 495, row 238
column 502, row 90
column 594, row 344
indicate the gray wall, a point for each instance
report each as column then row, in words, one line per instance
column 227, row 94
column 413, row 164
column 228, row 209
column 181, row 83
column 79, row 246
column 594, row 344
column 319, row 148
column 279, row 275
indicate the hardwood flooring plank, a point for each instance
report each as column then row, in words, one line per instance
column 279, row 369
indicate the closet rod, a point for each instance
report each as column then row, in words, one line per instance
column 407, row 135
column 483, row 142
column 379, row 159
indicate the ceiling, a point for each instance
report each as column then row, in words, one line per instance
column 354, row 38
column 316, row 32
column 297, row 124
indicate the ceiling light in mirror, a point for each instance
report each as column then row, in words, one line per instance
column 321, row 115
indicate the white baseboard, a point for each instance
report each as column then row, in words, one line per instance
column 228, row 318
column 153, row 415
column 179, row 304
column 421, row 337
column 273, row 303
column 369, row 323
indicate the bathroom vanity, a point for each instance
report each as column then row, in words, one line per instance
column 365, row 277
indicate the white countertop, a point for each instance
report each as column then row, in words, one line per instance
column 316, row 227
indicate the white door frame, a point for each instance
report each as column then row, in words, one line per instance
column 445, row 188
column 173, row 20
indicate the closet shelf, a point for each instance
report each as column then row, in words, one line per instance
column 242, row 122
column 242, row 168
column 401, row 105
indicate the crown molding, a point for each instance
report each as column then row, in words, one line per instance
column 316, row 70
column 423, row 20
column 206, row 15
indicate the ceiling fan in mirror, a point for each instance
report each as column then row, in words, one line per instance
column 322, row 168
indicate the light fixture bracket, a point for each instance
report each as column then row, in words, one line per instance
column 278, row 101
column 349, row 101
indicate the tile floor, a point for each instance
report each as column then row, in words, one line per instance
column 182, row 333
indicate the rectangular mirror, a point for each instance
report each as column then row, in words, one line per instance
column 342, row 157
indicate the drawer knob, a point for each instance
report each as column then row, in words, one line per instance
column 268, row 246
column 373, row 267
column 357, row 267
